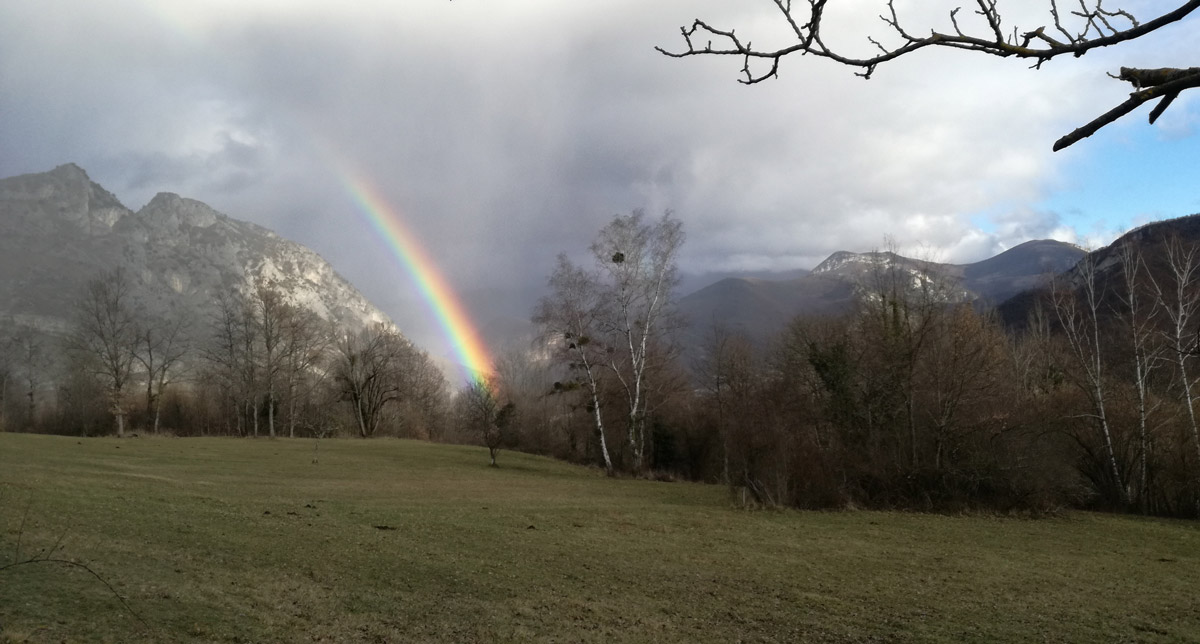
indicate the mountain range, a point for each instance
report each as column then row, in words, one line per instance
column 760, row 308
column 58, row 229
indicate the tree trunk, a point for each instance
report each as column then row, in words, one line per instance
column 32, row 409
column 292, row 414
column 271, row 411
column 608, row 466
column 3, row 400
column 1110, row 451
column 362, row 421
column 157, row 411
column 150, row 398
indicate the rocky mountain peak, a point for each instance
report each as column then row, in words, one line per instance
column 64, row 199
column 844, row 258
column 168, row 210
column 58, row 230
column 70, row 171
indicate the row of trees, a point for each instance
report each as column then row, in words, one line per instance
column 1127, row 343
column 912, row 399
column 258, row 365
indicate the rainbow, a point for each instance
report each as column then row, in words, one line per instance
column 451, row 315
column 468, row 349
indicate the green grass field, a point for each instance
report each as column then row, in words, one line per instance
column 229, row 540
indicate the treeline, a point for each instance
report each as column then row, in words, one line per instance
column 913, row 399
column 256, row 366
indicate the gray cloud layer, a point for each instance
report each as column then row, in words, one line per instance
column 505, row 131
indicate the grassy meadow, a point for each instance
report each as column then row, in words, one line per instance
column 233, row 540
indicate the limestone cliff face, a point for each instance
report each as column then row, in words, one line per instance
column 58, row 229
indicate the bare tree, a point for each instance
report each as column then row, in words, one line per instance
column 230, row 356
column 31, row 354
column 964, row 369
column 105, row 336
column 725, row 368
column 1180, row 302
column 1065, row 31
column 1078, row 307
column 367, row 372
column 899, row 311
column 160, row 347
column 305, row 342
column 480, row 408
column 637, row 263
column 1140, row 321
column 424, row 393
column 570, row 323
column 271, row 314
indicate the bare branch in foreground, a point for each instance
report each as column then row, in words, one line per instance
column 1075, row 32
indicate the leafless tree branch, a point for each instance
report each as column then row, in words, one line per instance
column 1181, row 79
column 50, row 556
column 1082, row 29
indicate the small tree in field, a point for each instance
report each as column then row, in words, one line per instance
column 480, row 409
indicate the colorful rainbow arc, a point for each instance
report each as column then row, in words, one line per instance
column 451, row 315
column 443, row 302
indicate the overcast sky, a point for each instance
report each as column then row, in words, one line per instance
column 505, row 131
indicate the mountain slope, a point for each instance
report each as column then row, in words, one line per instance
column 761, row 308
column 58, row 229
column 1150, row 241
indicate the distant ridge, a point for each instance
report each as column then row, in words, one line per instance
column 761, row 308
column 1148, row 239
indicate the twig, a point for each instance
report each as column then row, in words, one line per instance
column 86, row 568
column 48, row 557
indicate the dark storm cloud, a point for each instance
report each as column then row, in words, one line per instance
column 504, row 132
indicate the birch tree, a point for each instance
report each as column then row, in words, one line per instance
column 1078, row 312
column 570, row 323
column 616, row 317
column 1179, row 299
column 1139, row 317
column 637, row 261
